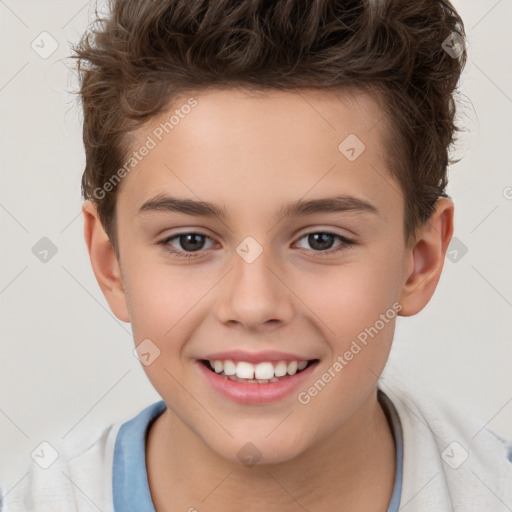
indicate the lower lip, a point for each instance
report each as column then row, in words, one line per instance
column 252, row 393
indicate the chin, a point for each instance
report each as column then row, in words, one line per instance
column 253, row 451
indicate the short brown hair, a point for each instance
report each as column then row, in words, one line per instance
column 133, row 62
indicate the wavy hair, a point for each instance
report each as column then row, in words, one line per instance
column 133, row 61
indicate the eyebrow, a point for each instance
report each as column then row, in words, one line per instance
column 336, row 204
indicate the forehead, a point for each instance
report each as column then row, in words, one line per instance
column 253, row 148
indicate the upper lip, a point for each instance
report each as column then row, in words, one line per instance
column 255, row 357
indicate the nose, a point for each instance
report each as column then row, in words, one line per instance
column 255, row 295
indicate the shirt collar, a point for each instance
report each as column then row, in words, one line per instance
column 130, row 486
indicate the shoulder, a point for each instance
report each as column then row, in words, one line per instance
column 449, row 453
column 77, row 479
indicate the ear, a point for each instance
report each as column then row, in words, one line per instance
column 104, row 262
column 425, row 258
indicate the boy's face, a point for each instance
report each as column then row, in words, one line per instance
column 252, row 156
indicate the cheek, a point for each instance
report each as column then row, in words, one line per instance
column 157, row 299
column 353, row 295
column 344, row 298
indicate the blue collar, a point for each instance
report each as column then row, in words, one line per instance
column 129, row 475
column 130, row 486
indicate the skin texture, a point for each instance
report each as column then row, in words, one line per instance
column 252, row 154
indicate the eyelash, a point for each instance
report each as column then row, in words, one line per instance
column 347, row 244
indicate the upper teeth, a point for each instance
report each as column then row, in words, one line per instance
column 263, row 371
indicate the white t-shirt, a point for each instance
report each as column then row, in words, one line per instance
column 449, row 461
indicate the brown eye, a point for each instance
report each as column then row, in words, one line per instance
column 184, row 244
column 191, row 242
column 322, row 242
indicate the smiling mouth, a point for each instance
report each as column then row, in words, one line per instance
column 261, row 373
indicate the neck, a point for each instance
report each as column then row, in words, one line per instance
column 359, row 455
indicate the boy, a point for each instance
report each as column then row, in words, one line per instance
column 305, row 145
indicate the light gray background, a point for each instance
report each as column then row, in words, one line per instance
column 66, row 362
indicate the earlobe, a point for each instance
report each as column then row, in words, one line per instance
column 426, row 258
column 104, row 262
